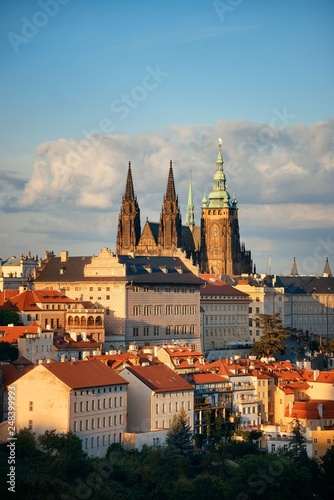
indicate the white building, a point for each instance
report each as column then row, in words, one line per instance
column 155, row 394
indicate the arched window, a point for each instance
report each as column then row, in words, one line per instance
column 83, row 321
column 76, row 321
column 90, row 321
column 70, row 321
column 98, row 321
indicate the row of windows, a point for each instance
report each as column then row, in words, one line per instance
column 146, row 331
column 102, row 440
column 98, row 423
column 163, row 407
column 224, row 331
column 98, row 404
column 157, row 310
column 229, row 319
column 225, row 307
column 99, row 390
column 157, row 289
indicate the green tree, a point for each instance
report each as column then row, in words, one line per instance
column 8, row 352
column 8, row 317
column 179, row 436
column 64, row 451
column 25, row 443
column 273, row 336
column 326, row 463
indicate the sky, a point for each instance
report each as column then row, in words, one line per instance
column 88, row 86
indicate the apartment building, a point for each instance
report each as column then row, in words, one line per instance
column 155, row 394
column 85, row 397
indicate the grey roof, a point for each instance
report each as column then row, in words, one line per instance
column 164, row 270
column 306, row 284
column 139, row 269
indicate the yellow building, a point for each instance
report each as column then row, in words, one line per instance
column 85, row 397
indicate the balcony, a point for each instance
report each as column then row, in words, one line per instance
column 243, row 386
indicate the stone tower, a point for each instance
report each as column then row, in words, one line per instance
column 128, row 230
column 170, row 227
column 221, row 252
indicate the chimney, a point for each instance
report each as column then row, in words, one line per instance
column 63, row 256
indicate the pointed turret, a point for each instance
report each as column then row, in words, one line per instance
column 170, row 191
column 327, row 270
column 129, row 192
column 190, row 214
column 219, row 197
column 294, row 271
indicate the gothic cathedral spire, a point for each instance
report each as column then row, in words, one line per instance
column 190, row 214
column 170, row 227
column 128, row 230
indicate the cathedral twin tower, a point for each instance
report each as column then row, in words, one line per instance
column 214, row 246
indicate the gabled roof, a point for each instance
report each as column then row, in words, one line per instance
column 83, row 374
column 160, row 378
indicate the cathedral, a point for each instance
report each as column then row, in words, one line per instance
column 214, row 246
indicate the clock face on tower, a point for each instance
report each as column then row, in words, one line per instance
column 214, row 231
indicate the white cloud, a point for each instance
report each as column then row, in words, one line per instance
column 282, row 176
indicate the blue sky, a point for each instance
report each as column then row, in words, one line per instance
column 163, row 80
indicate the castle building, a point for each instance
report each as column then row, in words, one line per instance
column 214, row 246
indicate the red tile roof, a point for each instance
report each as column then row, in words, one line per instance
column 12, row 333
column 29, row 300
column 208, row 378
column 83, row 374
column 160, row 378
column 9, row 374
column 7, row 295
column 311, row 409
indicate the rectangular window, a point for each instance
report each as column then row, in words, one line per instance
column 30, row 426
column 146, row 310
column 31, row 405
column 146, row 288
column 136, row 310
column 135, row 332
column 146, row 331
column 156, row 330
